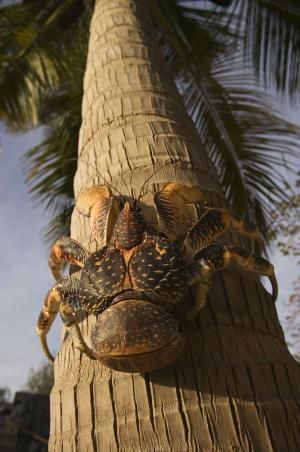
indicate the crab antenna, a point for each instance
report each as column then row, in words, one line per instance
column 104, row 179
column 141, row 194
column 126, row 186
column 78, row 341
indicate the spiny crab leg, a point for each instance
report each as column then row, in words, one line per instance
column 214, row 222
column 218, row 256
column 47, row 316
column 66, row 250
column 62, row 297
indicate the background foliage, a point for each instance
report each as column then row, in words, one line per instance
column 41, row 379
column 5, row 395
column 232, row 62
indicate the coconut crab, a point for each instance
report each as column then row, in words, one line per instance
column 138, row 274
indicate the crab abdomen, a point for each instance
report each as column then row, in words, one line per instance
column 136, row 336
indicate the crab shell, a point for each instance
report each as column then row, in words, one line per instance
column 139, row 337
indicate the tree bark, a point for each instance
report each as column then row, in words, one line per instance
column 236, row 386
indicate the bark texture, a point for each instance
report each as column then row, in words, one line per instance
column 236, row 387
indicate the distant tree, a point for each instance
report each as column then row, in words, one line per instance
column 40, row 380
column 5, row 394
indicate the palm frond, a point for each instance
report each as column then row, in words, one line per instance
column 51, row 165
column 31, row 41
column 60, row 225
column 273, row 48
column 256, row 144
column 271, row 34
column 192, row 33
column 211, row 50
column 247, row 138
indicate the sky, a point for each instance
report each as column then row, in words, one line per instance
column 24, row 275
column 25, row 278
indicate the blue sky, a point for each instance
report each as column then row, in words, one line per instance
column 24, row 275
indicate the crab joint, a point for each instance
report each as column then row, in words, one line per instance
column 49, row 311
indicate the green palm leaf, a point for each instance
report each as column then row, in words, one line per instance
column 273, row 48
column 210, row 50
column 31, row 42
column 245, row 134
column 50, row 166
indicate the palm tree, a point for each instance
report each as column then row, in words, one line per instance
column 43, row 62
column 235, row 387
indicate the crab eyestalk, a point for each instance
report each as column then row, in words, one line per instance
column 136, row 336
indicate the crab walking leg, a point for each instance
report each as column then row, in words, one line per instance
column 66, row 249
column 68, row 318
column 250, row 262
column 213, row 223
column 65, row 291
column 46, row 318
column 218, row 256
column 171, row 288
column 200, row 273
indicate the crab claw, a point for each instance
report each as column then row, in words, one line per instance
column 103, row 208
column 171, row 205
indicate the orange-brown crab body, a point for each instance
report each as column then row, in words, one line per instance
column 139, row 274
column 135, row 333
column 136, row 338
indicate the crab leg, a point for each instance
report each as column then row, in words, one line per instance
column 172, row 287
column 218, row 256
column 47, row 315
column 62, row 297
column 213, row 223
column 103, row 208
column 66, row 250
column 68, row 318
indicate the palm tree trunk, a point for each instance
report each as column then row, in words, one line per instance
column 236, row 387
